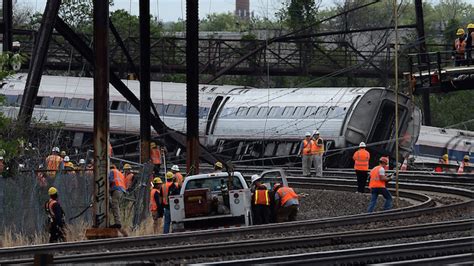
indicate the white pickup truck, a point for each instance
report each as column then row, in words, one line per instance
column 211, row 201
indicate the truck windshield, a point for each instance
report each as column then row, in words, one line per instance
column 213, row 183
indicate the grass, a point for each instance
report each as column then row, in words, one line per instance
column 74, row 232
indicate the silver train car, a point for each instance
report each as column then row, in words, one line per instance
column 240, row 123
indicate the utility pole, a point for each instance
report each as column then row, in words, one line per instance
column 7, row 25
column 145, row 132
column 420, row 28
column 101, row 114
column 192, row 86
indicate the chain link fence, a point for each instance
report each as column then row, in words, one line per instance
column 23, row 197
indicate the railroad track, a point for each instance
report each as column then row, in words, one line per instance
column 423, row 208
column 216, row 249
column 434, row 252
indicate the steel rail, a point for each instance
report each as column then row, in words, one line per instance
column 404, row 213
column 172, row 254
column 458, row 259
column 371, row 255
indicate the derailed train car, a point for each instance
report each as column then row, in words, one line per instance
column 240, row 123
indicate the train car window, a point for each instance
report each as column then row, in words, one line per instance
column 228, row 112
column 252, row 111
column 310, row 111
column 132, row 109
column 275, row 111
column 11, row 99
column 288, row 111
column 262, row 111
column 299, row 111
column 203, row 111
column 322, row 112
column 18, row 100
column 183, row 111
column 174, row 109
column 59, row 102
column 242, row 111
column 337, row 112
column 77, row 103
column 269, row 149
column 90, row 105
column 284, row 148
column 159, row 108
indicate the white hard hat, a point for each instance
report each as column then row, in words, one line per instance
column 82, row 161
column 315, row 132
column 255, row 178
column 66, row 158
column 175, row 168
column 307, row 134
column 362, row 145
column 1, row 157
column 56, row 149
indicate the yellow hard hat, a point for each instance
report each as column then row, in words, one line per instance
column 466, row 158
column 445, row 156
column 470, row 26
column 52, row 191
column 127, row 166
column 157, row 180
column 152, row 145
column 169, row 175
column 460, row 32
column 218, row 165
column 63, row 153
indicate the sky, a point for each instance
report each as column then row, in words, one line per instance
column 173, row 10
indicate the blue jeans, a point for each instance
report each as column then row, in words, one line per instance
column 373, row 201
column 166, row 225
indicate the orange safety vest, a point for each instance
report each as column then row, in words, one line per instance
column 261, row 197
column 119, row 180
column 155, row 155
column 307, row 147
column 317, row 149
column 128, row 180
column 461, row 167
column 286, row 193
column 375, row 181
column 166, row 191
column 53, row 161
column 460, row 46
column 361, row 160
column 49, row 207
column 179, row 178
column 153, row 206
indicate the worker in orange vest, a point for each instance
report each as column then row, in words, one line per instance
column 260, row 202
column 156, row 204
column 469, row 43
column 177, row 174
column 55, row 217
column 377, row 185
column 127, row 173
column 317, row 150
column 443, row 162
column 155, row 156
column 463, row 168
column 361, row 165
column 459, row 47
column 117, row 189
column 286, row 203
column 306, row 154
column 52, row 162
